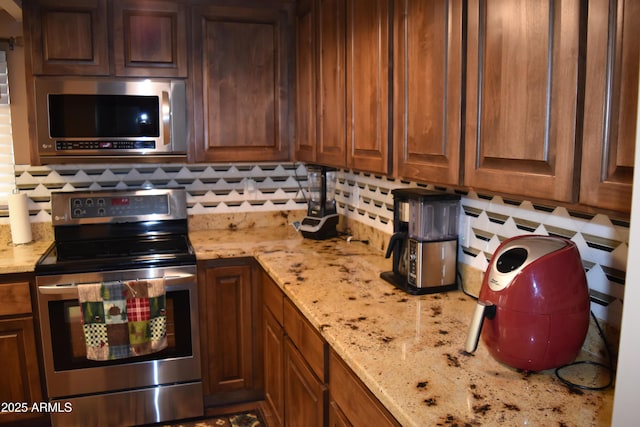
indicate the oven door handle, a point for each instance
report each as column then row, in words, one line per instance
column 71, row 290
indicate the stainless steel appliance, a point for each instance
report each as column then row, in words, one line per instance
column 425, row 241
column 81, row 119
column 534, row 301
column 322, row 218
column 119, row 236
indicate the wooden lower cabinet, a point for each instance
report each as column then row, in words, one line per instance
column 305, row 396
column 351, row 403
column 294, row 363
column 20, row 382
column 274, row 367
column 306, row 383
column 230, row 306
column 273, row 348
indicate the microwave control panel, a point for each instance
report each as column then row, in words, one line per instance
column 105, row 145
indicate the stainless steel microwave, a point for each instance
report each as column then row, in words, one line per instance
column 110, row 119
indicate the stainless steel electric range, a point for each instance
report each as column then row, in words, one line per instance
column 107, row 237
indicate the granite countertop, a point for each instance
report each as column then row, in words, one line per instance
column 21, row 258
column 409, row 350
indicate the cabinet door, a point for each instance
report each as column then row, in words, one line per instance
column 368, row 75
column 332, row 107
column 149, row 38
column 240, row 82
column 68, row 36
column 305, row 395
column 611, row 103
column 351, row 401
column 428, row 90
column 522, row 81
column 230, row 316
column 306, row 111
column 20, row 381
column 274, row 366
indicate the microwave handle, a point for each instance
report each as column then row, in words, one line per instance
column 166, row 118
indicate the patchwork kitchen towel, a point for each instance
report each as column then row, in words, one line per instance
column 123, row 319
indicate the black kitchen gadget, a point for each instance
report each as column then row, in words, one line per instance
column 322, row 219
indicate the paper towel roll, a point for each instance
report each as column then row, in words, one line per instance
column 19, row 218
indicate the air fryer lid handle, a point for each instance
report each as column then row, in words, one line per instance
column 482, row 309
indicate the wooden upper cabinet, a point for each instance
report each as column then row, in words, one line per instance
column 240, row 82
column 428, row 90
column 348, row 67
column 332, row 107
column 149, row 38
column 68, row 36
column 521, row 108
column 368, row 84
column 305, row 75
column 611, row 102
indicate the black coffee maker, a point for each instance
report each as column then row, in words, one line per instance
column 424, row 243
column 322, row 218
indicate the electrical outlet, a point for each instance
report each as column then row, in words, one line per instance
column 250, row 189
column 465, row 231
column 354, row 196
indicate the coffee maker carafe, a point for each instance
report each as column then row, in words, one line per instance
column 322, row 218
column 425, row 241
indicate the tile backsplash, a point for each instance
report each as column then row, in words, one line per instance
column 365, row 203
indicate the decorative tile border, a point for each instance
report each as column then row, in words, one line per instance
column 366, row 204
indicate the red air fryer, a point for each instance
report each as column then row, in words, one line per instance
column 534, row 303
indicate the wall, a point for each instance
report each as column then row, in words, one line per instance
column 366, row 203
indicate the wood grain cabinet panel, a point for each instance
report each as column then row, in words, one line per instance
column 20, row 381
column 305, row 395
column 230, row 306
column 427, row 79
column 345, row 45
column 331, row 84
column 305, row 83
column 240, row 82
column 274, row 366
column 368, row 84
column 149, row 38
column 611, row 103
column 351, row 402
column 68, row 36
column 521, row 99
column 273, row 348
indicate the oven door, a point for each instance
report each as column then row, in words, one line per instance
column 69, row 373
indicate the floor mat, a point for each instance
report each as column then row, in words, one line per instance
column 242, row 419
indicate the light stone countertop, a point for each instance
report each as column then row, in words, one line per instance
column 21, row 258
column 409, row 350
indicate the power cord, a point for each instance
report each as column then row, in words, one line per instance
column 609, row 368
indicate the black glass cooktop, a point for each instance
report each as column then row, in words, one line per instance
column 116, row 253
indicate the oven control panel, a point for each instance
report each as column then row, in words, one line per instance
column 114, row 206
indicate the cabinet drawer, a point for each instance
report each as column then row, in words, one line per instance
column 273, row 297
column 15, row 298
column 306, row 339
column 354, row 399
